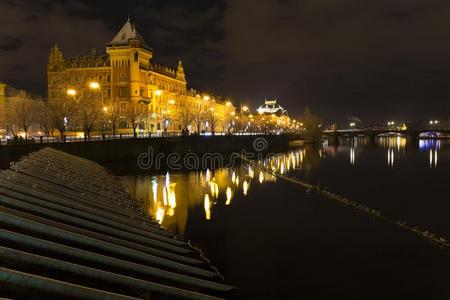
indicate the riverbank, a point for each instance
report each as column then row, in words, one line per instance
column 112, row 151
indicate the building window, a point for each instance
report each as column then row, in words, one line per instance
column 123, row 77
column 123, row 106
column 108, row 92
column 108, row 78
column 122, row 91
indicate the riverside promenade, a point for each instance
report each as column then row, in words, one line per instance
column 68, row 230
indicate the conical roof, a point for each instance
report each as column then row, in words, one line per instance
column 126, row 33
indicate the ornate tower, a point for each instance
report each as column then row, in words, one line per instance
column 180, row 72
column 128, row 54
column 55, row 60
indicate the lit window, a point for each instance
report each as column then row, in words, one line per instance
column 123, row 77
column 122, row 91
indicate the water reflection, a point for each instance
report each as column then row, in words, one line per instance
column 171, row 197
column 433, row 147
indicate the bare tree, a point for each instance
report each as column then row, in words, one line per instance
column 185, row 116
column 60, row 112
column 212, row 119
column 113, row 116
column 198, row 118
column 135, row 115
column 44, row 119
column 88, row 112
column 23, row 114
column 312, row 124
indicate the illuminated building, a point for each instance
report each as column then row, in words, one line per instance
column 271, row 107
column 8, row 95
column 128, row 76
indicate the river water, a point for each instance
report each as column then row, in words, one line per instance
column 275, row 240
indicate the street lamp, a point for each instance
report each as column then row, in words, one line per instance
column 96, row 86
column 71, row 92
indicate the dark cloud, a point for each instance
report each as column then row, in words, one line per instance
column 9, row 43
column 372, row 59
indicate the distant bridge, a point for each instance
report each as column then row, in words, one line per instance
column 414, row 133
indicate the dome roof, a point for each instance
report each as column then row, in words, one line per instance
column 271, row 107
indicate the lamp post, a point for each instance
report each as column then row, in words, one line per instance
column 71, row 93
column 158, row 94
column 96, row 86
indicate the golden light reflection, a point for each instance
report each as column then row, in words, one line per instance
column 207, row 206
column 229, row 195
column 251, row 173
column 171, row 198
column 245, row 187
column 214, row 189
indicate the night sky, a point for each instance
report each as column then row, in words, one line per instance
column 377, row 60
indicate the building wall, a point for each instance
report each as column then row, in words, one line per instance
column 128, row 75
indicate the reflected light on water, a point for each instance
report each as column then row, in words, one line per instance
column 171, row 198
column 433, row 158
column 390, row 157
column 352, row 156
column 207, row 206
column 208, row 175
column 251, row 173
column 245, row 187
column 229, row 194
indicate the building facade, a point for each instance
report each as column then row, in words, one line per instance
column 10, row 101
column 129, row 78
column 270, row 107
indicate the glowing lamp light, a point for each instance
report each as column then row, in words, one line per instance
column 245, row 108
column 105, row 109
column 228, row 103
column 171, row 101
column 158, row 92
column 94, row 85
column 206, row 98
column 71, row 92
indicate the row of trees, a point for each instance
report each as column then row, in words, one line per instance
column 69, row 115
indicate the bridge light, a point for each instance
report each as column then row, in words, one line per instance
column 352, row 124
